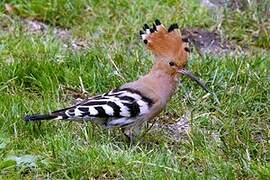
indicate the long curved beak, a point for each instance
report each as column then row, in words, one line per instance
column 194, row 78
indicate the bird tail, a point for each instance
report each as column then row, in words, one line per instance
column 56, row 115
column 40, row 117
column 165, row 43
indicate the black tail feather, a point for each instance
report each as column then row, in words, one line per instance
column 39, row 117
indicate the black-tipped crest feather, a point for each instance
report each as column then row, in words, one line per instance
column 172, row 27
column 157, row 22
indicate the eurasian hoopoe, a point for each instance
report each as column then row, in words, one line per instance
column 139, row 101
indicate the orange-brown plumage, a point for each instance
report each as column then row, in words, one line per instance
column 168, row 46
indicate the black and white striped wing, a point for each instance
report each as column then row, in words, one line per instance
column 119, row 107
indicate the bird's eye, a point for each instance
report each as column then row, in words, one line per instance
column 171, row 63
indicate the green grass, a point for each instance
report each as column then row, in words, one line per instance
column 229, row 135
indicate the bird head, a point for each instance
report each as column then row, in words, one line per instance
column 170, row 49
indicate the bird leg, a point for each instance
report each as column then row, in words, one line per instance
column 129, row 134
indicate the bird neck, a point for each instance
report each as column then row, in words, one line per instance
column 164, row 82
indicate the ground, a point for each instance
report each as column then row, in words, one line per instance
column 52, row 50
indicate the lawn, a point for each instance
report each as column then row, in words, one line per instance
column 96, row 44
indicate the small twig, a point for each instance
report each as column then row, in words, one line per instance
column 82, row 86
column 117, row 69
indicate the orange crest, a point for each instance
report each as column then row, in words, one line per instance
column 166, row 44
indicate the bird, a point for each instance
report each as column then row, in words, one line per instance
column 134, row 103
